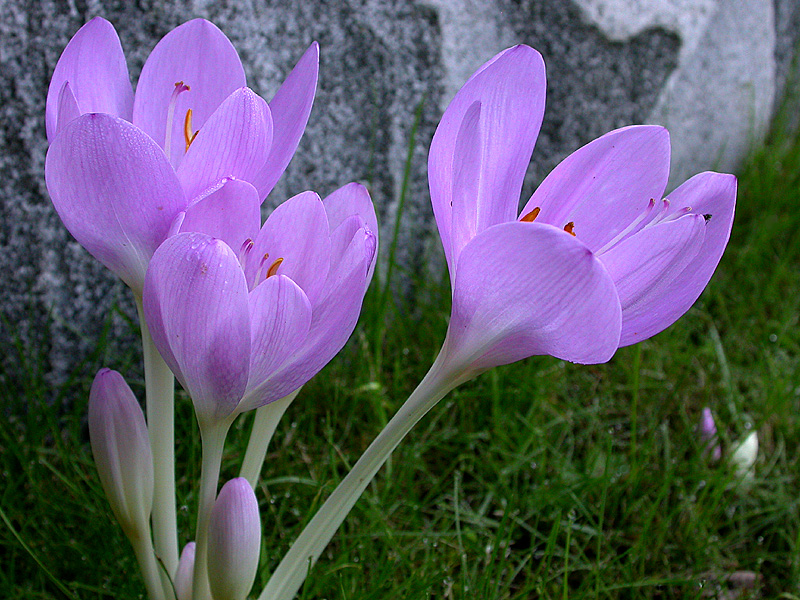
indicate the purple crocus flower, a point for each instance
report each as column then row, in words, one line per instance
column 242, row 329
column 193, row 141
column 595, row 260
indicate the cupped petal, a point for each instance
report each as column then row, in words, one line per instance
column 297, row 232
column 511, row 92
column 234, row 142
column 643, row 267
column 712, row 195
column 280, row 316
column 195, row 305
column 114, row 190
column 230, row 211
column 603, row 186
column 290, row 109
column 349, row 200
column 94, row 65
column 333, row 319
column 525, row 289
column 198, row 54
column 67, row 107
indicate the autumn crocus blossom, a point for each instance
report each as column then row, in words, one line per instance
column 595, row 260
column 193, row 141
column 243, row 327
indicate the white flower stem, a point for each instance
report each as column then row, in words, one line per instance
column 213, row 438
column 264, row 424
column 290, row 573
column 160, row 391
column 143, row 548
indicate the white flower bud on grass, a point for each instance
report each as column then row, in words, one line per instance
column 121, row 450
column 744, row 456
column 234, row 541
column 184, row 574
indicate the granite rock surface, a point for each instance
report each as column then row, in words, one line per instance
column 710, row 70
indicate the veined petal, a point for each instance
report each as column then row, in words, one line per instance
column 114, row 190
column 234, row 142
column 466, row 181
column 198, row 54
column 333, row 319
column 348, row 200
column 644, row 265
column 297, row 232
column 290, row 109
column 280, row 316
column 511, row 91
column 94, row 65
column 230, row 211
column 195, row 304
column 712, row 195
column 603, row 186
column 67, row 107
column 525, row 289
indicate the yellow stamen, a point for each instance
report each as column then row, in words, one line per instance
column 569, row 227
column 531, row 216
column 273, row 268
column 188, row 136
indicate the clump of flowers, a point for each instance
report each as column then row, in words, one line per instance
column 164, row 186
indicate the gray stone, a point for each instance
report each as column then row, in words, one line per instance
column 709, row 69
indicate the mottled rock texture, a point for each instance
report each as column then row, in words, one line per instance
column 709, row 69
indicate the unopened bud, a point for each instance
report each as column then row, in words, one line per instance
column 121, row 450
column 708, row 434
column 234, row 541
column 744, row 456
column 184, row 573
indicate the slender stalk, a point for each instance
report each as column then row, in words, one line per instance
column 264, row 424
column 160, row 390
column 143, row 548
column 292, row 570
column 213, row 437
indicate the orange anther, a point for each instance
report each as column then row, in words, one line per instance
column 569, row 227
column 531, row 216
column 188, row 136
column 273, row 268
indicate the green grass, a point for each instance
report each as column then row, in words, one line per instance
column 538, row 480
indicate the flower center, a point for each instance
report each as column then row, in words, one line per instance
column 263, row 271
column 180, row 87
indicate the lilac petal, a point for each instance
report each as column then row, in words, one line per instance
column 644, row 266
column 466, row 181
column 349, row 200
column 603, row 186
column 67, row 107
column 290, row 108
column 231, row 212
column 114, row 190
column 94, row 65
column 714, row 196
column 185, row 573
column 233, row 143
column 297, row 232
column 195, row 304
column 511, row 91
column 280, row 316
column 334, row 317
column 198, row 54
column 525, row 289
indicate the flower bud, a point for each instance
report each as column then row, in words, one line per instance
column 234, row 541
column 744, row 456
column 121, row 450
column 708, row 435
column 185, row 573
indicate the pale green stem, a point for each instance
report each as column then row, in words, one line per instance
column 264, row 424
column 213, row 438
column 160, row 391
column 143, row 548
column 289, row 576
